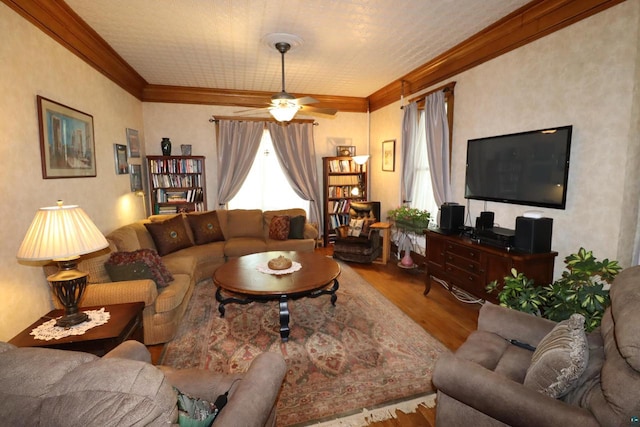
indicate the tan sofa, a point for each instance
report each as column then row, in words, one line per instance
column 66, row 388
column 245, row 232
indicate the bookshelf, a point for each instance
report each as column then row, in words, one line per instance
column 176, row 184
column 344, row 181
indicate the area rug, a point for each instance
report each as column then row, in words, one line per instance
column 362, row 353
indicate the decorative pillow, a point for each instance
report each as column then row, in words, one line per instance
column 205, row 227
column 159, row 272
column 296, row 227
column 367, row 225
column 343, row 231
column 170, row 235
column 355, row 227
column 279, row 227
column 135, row 271
column 560, row 358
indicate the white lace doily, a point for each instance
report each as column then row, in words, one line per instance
column 264, row 268
column 49, row 331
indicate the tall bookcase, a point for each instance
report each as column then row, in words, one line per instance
column 344, row 181
column 176, row 184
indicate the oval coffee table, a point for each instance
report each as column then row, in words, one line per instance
column 239, row 281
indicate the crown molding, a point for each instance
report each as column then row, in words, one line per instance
column 531, row 22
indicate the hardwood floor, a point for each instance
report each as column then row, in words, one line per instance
column 439, row 313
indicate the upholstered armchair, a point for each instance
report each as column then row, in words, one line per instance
column 489, row 381
column 358, row 242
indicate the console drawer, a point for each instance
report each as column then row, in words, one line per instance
column 463, row 251
column 463, row 276
column 470, row 265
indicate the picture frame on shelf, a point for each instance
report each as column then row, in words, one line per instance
column 135, row 176
column 346, row 150
column 120, row 158
column 133, row 143
column 67, row 144
column 389, row 155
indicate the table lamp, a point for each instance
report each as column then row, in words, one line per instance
column 63, row 233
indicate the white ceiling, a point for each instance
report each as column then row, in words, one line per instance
column 350, row 48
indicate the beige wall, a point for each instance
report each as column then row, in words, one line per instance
column 585, row 75
column 34, row 64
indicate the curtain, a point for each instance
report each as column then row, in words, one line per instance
column 409, row 141
column 238, row 143
column 296, row 153
column 437, row 134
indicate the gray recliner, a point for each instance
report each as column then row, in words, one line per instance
column 482, row 383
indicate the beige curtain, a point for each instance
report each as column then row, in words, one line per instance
column 295, row 149
column 238, row 143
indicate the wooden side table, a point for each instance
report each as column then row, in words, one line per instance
column 386, row 240
column 125, row 323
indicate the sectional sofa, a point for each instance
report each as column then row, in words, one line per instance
column 191, row 246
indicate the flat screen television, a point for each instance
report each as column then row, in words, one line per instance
column 527, row 168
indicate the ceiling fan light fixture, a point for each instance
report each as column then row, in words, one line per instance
column 284, row 113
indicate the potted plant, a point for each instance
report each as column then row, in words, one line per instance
column 583, row 288
column 410, row 219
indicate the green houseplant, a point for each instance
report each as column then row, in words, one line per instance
column 410, row 219
column 583, row 288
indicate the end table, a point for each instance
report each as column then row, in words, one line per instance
column 125, row 323
column 386, row 240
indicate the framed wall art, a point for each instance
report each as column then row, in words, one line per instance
column 133, row 143
column 389, row 155
column 67, row 146
column 120, row 157
column 346, row 150
column 135, row 175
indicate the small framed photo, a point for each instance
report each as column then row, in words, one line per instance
column 133, row 142
column 120, row 156
column 346, row 150
column 389, row 155
column 135, row 175
column 67, row 145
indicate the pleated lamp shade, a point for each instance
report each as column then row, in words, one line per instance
column 60, row 232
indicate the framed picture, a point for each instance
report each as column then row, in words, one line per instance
column 67, row 146
column 133, row 143
column 135, row 175
column 120, row 156
column 346, row 150
column 389, row 155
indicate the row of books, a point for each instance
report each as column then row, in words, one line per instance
column 176, row 166
column 345, row 166
column 194, row 195
column 339, row 206
column 177, row 181
column 336, row 221
column 165, row 210
column 343, row 191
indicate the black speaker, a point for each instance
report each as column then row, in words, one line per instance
column 451, row 217
column 485, row 220
column 533, row 235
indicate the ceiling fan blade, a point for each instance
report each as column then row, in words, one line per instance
column 306, row 100
column 317, row 110
column 252, row 110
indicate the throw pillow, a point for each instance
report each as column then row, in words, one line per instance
column 355, row 227
column 296, row 227
column 279, row 227
column 159, row 272
column 135, row 271
column 343, row 231
column 366, row 226
column 560, row 358
column 205, row 227
column 169, row 235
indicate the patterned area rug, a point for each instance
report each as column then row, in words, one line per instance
column 362, row 353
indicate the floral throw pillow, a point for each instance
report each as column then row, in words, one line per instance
column 279, row 227
column 161, row 275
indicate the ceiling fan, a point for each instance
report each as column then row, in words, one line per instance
column 284, row 106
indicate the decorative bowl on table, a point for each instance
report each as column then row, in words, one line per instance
column 280, row 263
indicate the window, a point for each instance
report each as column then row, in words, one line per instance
column 422, row 197
column 266, row 186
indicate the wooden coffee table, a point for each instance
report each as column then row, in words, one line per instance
column 239, row 281
column 125, row 322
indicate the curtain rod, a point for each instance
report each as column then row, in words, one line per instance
column 445, row 88
column 215, row 119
